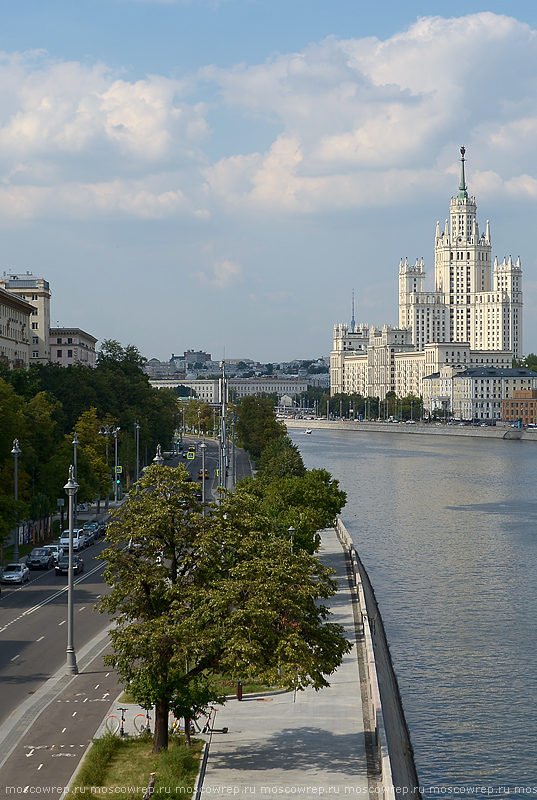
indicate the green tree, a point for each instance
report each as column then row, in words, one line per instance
column 281, row 458
column 205, row 596
column 257, row 424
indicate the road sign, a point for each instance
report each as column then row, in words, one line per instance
column 190, row 455
column 119, row 470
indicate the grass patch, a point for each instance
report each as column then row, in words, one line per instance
column 115, row 765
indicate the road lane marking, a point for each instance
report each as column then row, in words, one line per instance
column 15, row 657
column 40, row 639
column 82, row 609
column 63, row 731
column 39, row 767
column 51, row 598
column 62, row 622
column 74, row 713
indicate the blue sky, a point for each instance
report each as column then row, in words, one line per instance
column 222, row 175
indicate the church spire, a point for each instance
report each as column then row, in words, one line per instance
column 353, row 324
column 463, row 193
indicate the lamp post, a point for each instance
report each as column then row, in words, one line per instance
column 137, row 437
column 111, row 430
column 75, row 452
column 203, row 448
column 291, row 531
column 16, row 453
column 71, row 488
column 158, row 460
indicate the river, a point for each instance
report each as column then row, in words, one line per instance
column 447, row 531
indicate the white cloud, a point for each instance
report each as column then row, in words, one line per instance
column 224, row 274
column 367, row 121
column 356, row 122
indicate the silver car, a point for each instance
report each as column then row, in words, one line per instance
column 15, row 573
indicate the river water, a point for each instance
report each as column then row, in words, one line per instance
column 446, row 528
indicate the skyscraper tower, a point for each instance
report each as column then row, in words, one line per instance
column 462, row 261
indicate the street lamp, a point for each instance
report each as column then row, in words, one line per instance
column 203, row 448
column 291, row 531
column 158, row 460
column 107, row 430
column 16, row 453
column 71, row 488
column 137, row 437
column 75, row 450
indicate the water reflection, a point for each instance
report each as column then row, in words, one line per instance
column 446, row 529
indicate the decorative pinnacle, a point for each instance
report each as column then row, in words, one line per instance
column 463, row 193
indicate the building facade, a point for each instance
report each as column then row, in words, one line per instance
column 15, row 316
column 37, row 292
column 72, row 346
column 472, row 318
column 210, row 391
column 521, row 407
column 478, row 393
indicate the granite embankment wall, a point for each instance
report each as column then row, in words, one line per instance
column 399, row 775
column 428, row 429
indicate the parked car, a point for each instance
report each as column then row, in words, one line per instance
column 56, row 550
column 102, row 528
column 40, row 558
column 62, row 567
column 15, row 573
column 79, row 539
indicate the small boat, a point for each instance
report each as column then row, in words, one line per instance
column 308, row 430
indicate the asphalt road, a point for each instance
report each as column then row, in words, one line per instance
column 48, row 718
column 33, row 626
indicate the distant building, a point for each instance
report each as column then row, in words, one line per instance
column 521, row 406
column 15, row 316
column 72, row 346
column 477, row 393
column 37, row 292
column 209, row 391
column 473, row 316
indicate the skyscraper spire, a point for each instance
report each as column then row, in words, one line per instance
column 463, row 193
column 353, row 324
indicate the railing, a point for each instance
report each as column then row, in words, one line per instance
column 398, row 771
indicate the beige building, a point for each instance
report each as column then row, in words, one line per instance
column 472, row 318
column 37, row 292
column 72, row 346
column 15, row 316
column 477, row 393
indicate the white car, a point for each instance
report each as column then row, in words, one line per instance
column 15, row 573
column 79, row 540
column 56, row 550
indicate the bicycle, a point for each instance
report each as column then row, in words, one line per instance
column 114, row 725
column 142, row 722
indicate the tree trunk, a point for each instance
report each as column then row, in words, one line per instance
column 160, row 738
column 187, row 732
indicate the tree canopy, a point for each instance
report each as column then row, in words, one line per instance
column 43, row 406
column 199, row 597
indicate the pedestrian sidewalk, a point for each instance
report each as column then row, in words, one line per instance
column 309, row 744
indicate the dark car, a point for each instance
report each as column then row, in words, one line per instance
column 91, row 529
column 62, row 567
column 40, row 558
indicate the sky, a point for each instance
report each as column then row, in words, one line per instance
column 220, row 175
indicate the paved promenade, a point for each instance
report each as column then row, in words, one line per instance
column 311, row 744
